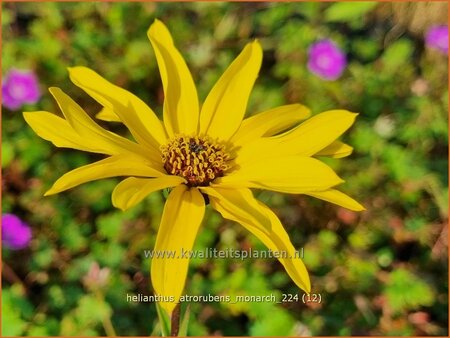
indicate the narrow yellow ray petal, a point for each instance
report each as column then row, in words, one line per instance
column 240, row 206
column 181, row 111
column 57, row 130
column 132, row 190
column 307, row 139
column 289, row 174
column 86, row 128
column 181, row 219
column 270, row 122
column 337, row 149
column 225, row 106
column 337, row 197
column 142, row 122
column 318, row 132
column 107, row 114
column 116, row 165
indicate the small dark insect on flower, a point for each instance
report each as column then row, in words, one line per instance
column 195, row 147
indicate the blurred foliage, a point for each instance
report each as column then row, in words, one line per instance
column 381, row 272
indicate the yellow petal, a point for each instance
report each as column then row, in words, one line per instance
column 107, row 114
column 117, row 165
column 240, row 206
column 181, row 101
column 142, row 122
column 318, row 132
column 132, row 190
column 307, row 139
column 270, row 122
column 337, row 197
column 337, row 149
column 225, row 106
column 87, row 129
column 181, row 219
column 289, row 174
column 55, row 129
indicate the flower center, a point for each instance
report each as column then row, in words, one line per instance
column 324, row 61
column 197, row 159
column 17, row 91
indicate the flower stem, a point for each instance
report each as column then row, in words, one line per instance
column 175, row 321
column 106, row 320
column 109, row 328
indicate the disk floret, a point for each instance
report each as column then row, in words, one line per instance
column 198, row 159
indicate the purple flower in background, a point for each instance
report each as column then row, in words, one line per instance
column 437, row 37
column 326, row 60
column 16, row 234
column 19, row 87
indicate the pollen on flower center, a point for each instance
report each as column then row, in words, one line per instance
column 197, row 159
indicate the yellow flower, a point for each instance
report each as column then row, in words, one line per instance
column 209, row 151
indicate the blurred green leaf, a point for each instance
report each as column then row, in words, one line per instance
column 275, row 323
column 7, row 153
column 405, row 291
column 348, row 10
column 109, row 226
column 397, row 54
column 12, row 322
column 73, row 238
column 44, row 256
column 367, row 49
column 92, row 310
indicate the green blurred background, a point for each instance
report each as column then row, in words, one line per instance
column 380, row 272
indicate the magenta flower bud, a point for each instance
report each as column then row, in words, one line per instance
column 18, row 88
column 326, row 60
column 16, row 234
column 437, row 38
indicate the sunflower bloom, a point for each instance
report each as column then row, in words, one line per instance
column 200, row 151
